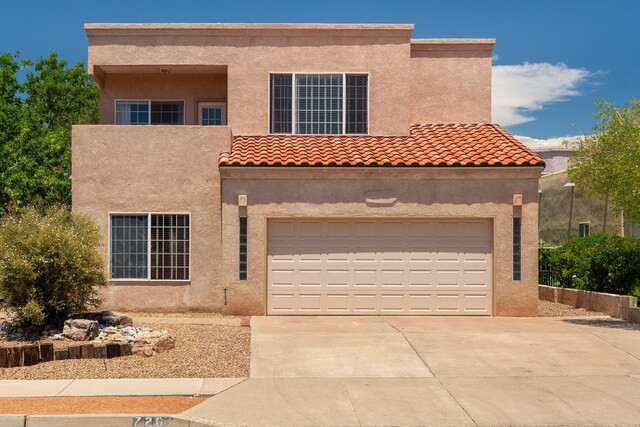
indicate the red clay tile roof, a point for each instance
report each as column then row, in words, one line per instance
column 483, row 144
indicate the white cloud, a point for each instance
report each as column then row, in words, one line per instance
column 521, row 89
column 495, row 57
column 535, row 143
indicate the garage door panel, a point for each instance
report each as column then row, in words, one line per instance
column 419, row 278
column 419, row 303
column 338, row 303
column 370, row 266
column 337, row 278
column 364, row 254
column 391, row 303
column 392, row 278
column 365, row 278
column 365, row 302
column 475, row 279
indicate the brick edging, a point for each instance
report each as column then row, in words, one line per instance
column 617, row 306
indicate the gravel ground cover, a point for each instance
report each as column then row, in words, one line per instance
column 135, row 405
column 202, row 351
column 554, row 309
column 190, row 315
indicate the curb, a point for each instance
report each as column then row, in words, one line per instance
column 106, row 420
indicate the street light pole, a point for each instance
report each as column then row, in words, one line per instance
column 572, row 186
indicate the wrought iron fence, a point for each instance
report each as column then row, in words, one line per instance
column 546, row 276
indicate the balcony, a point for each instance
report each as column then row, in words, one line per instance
column 146, row 168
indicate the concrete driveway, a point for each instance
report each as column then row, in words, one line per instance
column 435, row 371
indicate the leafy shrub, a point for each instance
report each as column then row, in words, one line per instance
column 600, row 263
column 50, row 265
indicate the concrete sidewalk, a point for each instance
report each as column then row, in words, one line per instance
column 117, row 387
column 449, row 371
column 435, row 371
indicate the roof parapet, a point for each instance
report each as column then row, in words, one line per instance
column 106, row 29
column 453, row 44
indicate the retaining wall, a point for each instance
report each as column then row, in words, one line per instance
column 616, row 306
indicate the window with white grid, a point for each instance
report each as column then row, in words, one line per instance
column 149, row 246
column 144, row 112
column 132, row 112
column 319, row 103
column 167, row 112
column 129, row 246
column 357, row 104
column 280, row 103
column 211, row 113
column 169, row 247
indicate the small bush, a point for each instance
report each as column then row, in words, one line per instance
column 50, row 265
column 600, row 263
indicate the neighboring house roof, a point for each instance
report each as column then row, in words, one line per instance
column 484, row 144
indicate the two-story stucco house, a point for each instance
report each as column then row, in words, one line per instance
column 305, row 169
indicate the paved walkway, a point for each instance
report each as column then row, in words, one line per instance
column 435, row 371
column 400, row 371
column 117, row 387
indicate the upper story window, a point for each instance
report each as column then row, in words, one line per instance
column 319, row 103
column 144, row 112
column 212, row 113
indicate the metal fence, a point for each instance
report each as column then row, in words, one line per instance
column 546, row 276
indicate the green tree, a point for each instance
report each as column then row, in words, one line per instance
column 35, row 128
column 606, row 164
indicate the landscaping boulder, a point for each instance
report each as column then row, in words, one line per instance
column 107, row 318
column 149, row 343
column 80, row 329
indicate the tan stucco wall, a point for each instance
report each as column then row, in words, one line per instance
column 251, row 55
column 411, row 81
column 447, row 193
column 451, row 84
column 119, row 169
column 190, row 88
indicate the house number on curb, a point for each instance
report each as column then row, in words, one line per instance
column 151, row 421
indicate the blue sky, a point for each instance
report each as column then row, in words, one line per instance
column 552, row 58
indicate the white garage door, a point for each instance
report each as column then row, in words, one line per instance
column 379, row 267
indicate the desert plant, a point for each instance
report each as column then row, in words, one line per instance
column 601, row 263
column 50, row 265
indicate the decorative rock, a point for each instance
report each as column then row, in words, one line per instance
column 57, row 337
column 87, row 351
column 148, row 343
column 75, row 352
column 110, row 318
column 113, row 350
column 107, row 318
column 46, row 352
column 100, row 351
column 80, row 329
column 30, row 355
column 61, row 353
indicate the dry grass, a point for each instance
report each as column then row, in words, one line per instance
column 201, row 351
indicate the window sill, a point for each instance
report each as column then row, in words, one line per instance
column 146, row 282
